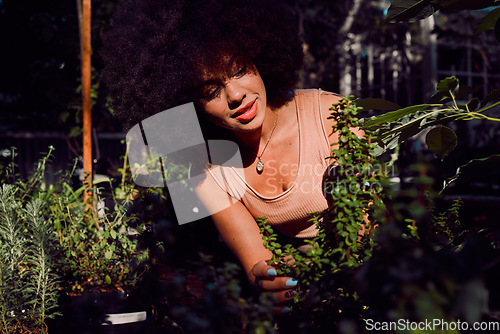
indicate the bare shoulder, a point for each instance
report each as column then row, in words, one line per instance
column 327, row 100
column 211, row 191
column 214, row 194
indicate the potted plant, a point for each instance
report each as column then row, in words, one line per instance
column 28, row 281
column 92, row 252
column 101, row 257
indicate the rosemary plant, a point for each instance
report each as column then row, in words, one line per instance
column 12, row 255
column 28, row 284
column 50, row 244
column 42, row 280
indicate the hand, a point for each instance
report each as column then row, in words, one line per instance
column 264, row 278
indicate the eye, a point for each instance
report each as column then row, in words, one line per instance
column 210, row 92
column 241, row 71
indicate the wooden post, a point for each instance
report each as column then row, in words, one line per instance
column 87, row 113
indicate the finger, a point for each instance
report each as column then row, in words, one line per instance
column 278, row 283
column 283, row 297
column 262, row 270
column 281, row 311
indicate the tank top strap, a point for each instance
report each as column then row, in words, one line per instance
column 314, row 137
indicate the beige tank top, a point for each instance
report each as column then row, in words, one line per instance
column 290, row 211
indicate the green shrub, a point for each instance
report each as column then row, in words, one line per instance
column 28, row 282
column 419, row 263
column 345, row 233
column 51, row 242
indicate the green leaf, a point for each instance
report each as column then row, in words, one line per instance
column 113, row 234
column 57, row 224
column 471, row 170
column 448, row 84
column 76, row 131
column 108, row 280
column 444, row 96
column 488, row 21
column 473, row 104
column 494, row 96
column 376, row 104
column 395, row 115
column 440, row 98
column 441, row 140
column 408, row 130
column 108, row 254
column 409, row 10
column 63, row 117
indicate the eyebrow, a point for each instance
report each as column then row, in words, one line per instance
column 206, row 83
column 213, row 81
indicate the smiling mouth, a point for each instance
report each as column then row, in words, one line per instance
column 247, row 112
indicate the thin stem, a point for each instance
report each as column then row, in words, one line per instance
column 388, row 133
column 451, row 118
column 489, row 107
column 454, row 101
column 74, row 168
column 125, row 166
column 481, row 116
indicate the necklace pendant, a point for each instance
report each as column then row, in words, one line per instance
column 260, row 166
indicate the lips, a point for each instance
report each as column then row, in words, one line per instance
column 247, row 112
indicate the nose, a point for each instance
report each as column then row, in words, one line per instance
column 234, row 93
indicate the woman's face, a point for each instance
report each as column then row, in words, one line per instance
column 235, row 100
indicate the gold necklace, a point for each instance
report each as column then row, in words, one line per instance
column 260, row 163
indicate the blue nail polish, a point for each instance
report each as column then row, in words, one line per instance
column 272, row 272
column 292, row 282
column 286, row 310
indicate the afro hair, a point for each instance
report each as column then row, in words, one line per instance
column 152, row 51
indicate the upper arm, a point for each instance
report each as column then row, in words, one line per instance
column 235, row 224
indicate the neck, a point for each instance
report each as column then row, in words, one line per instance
column 255, row 140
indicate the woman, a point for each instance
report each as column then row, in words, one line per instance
column 238, row 61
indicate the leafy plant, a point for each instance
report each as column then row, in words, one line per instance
column 392, row 128
column 345, row 233
column 225, row 306
column 411, row 266
column 98, row 248
column 28, row 282
column 429, row 264
column 51, row 242
column 395, row 127
column 424, row 258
